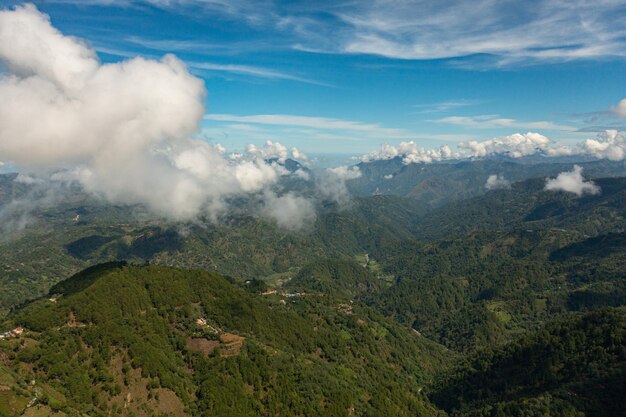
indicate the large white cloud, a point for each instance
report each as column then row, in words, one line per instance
column 516, row 145
column 609, row 145
column 410, row 153
column 572, row 182
column 123, row 129
column 270, row 150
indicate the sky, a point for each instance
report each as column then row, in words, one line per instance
column 347, row 77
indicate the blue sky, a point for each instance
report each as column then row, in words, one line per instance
column 346, row 77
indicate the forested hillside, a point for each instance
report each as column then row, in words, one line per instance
column 363, row 313
column 490, row 268
column 436, row 184
column 115, row 340
column 120, row 340
column 527, row 206
column 575, row 366
column 61, row 240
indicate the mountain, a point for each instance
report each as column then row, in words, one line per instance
column 437, row 184
column 332, row 277
column 127, row 340
column 64, row 238
column 487, row 269
column 575, row 366
column 6, row 187
column 468, row 274
column 382, row 307
column 528, row 206
column 289, row 164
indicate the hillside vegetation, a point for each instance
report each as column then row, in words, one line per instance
column 121, row 340
column 575, row 366
column 509, row 303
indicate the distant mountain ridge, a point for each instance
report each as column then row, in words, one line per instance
column 442, row 182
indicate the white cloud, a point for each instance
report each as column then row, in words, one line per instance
column 17, row 213
column 122, row 130
column 299, row 155
column 410, row 153
column 516, row 145
column 491, row 121
column 253, row 71
column 269, row 150
column 562, row 150
column 26, row 179
column 495, row 182
column 609, row 145
column 572, row 182
column 619, row 109
column 311, row 122
column 302, row 174
column 494, row 32
column 252, row 12
column 444, row 106
column 289, row 210
column 346, row 173
column 544, row 30
column 314, row 131
column 331, row 184
column 253, row 176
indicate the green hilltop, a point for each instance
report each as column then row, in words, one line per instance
column 153, row 340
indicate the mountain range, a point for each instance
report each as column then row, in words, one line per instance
column 426, row 294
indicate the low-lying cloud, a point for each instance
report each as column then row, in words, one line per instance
column 496, row 182
column 572, row 182
column 410, row 153
column 123, row 131
column 289, row 210
column 606, row 145
column 332, row 183
column 516, row 145
column 609, row 145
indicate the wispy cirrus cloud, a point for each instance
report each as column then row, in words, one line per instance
column 200, row 46
column 488, row 32
column 444, row 106
column 545, row 30
column 494, row 121
column 602, row 128
column 602, row 120
column 308, row 132
column 311, row 122
column 245, row 70
column 254, row 71
column 176, row 45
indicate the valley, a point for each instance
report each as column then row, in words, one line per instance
column 381, row 307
